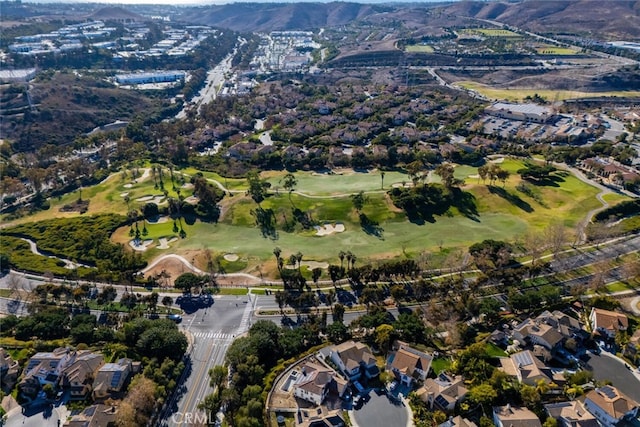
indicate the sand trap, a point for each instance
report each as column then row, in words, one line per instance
column 328, row 229
column 315, row 264
column 476, row 176
column 140, row 245
column 231, row 257
column 498, row 160
column 144, row 199
column 192, row 200
column 400, row 185
column 128, row 185
column 187, row 186
column 158, row 199
column 164, row 243
column 124, row 194
column 158, row 220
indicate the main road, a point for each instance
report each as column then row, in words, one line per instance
column 211, row 331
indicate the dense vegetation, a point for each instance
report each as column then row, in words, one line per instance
column 83, row 239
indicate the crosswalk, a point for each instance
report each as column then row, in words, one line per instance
column 213, row 335
column 245, row 322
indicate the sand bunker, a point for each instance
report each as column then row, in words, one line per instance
column 328, row 229
column 192, row 200
column 141, row 246
column 498, row 160
column 128, row 185
column 155, row 199
column 231, row 257
column 158, row 220
column 164, row 243
column 124, row 194
column 187, row 186
column 310, row 264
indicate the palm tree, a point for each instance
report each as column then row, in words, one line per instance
column 341, row 255
column 298, row 259
column 277, row 252
column 382, row 180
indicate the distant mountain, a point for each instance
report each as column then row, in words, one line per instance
column 113, row 13
column 265, row 17
column 618, row 19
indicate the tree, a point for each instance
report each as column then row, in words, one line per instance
column 289, row 183
column 550, row 422
column 530, row 396
column 483, row 394
column 338, row 312
column 384, row 337
column 337, row 332
column 167, row 301
column 446, row 173
column 382, row 180
column 187, row 281
column 358, row 200
column 315, row 275
column 257, row 187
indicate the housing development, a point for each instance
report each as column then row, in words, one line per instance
column 320, row 214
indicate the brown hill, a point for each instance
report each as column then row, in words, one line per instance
column 262, row 17
column 112, row 13
column 607, row 19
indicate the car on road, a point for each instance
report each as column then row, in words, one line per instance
column 175, row 317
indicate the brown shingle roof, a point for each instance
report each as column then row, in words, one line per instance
column 407, row 361
column 612, row 401
column 610, row 320
column 513, row 416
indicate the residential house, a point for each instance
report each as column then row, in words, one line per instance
column 458, row 422
column 608, row 323
column 315, row 381
column 9, row 371
column 319, row 417
column 79, row 374
column 528, row 369
column 93, row 416
column 571, row 414
column 354, row 359
column 111, row 378
column 44, row 368
column 610, row 406
column 538, row 331
column 514, row 416
column 409, row 365
column 444, row 392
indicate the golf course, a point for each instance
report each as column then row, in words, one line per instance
column 502, row 213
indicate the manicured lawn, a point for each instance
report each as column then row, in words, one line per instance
column 555, row 50
column 440, row 364
column 503, row 214
column 518, row 94
column 418, row 48
column 495, row 351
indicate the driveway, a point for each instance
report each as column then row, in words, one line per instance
column 607, row 367
column 379, row 411
column 42, row 416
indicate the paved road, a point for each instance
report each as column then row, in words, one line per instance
column 212, row 330
column 606, row 367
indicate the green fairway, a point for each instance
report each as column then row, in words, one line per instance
column 418, row 48
column 555, row 50
column 503, row 214
column 519, row 94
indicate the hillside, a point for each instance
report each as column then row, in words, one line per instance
column 260, row 17
column 64, row 107
column 610, row 19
